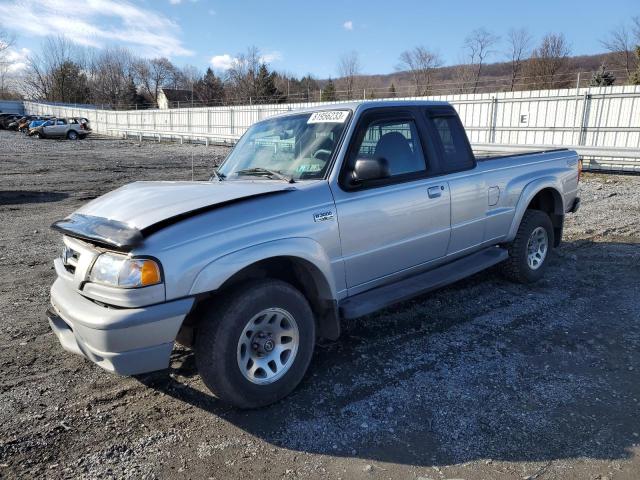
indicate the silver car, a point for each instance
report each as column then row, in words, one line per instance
column 71, row 128
column 315, row 218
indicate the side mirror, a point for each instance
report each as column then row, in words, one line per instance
column 370, row 169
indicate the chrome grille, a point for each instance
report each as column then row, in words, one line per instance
column 70, row 259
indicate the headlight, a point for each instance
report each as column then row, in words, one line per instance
column 121, row 271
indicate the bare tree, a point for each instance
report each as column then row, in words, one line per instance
column 243, row 74
column 154, row 74
column 479, row 45
column 519, row 42
column 111, row 71
column 349, row 68
column 620, row 43
column 421, row 63
column 548, row 61
column 6, row 42
column 49, row 74
column 635, row 26
column 462, row 76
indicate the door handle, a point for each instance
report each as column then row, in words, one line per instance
column 435, row 192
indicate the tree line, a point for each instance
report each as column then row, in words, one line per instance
column 518, row 64
column 114, row 76
column 63, row 72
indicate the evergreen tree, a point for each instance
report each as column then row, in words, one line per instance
column 392, row 91
column 69, row 84
column 635, row 76
column 329, row 92
column 266, row 90
column 308, row 86
column 131, row 98
column 209, row 89
column 602, row 78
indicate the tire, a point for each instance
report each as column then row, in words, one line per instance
column 72, row 135
column 520, row 267
column 228, row 336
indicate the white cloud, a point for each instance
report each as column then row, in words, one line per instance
column 348, row 25
column 226, row 61
column 271, row 57
column 16, row 59
column 97, row 23
column 222, row 62
column 175, row 2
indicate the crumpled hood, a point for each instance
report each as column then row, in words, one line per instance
column 141, row 205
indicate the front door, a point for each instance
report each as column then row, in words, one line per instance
column 391, row 226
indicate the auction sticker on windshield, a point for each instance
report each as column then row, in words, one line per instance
column 330, row 116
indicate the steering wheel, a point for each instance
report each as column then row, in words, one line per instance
column 322, row 151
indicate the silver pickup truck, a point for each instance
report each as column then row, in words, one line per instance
column 316, row 217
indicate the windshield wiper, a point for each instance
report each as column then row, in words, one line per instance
column 267, row 172
column 217, row 175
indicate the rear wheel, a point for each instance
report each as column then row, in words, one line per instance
column 254, row 347
column 529, row 251
column 72, row 135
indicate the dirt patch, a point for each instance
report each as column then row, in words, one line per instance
column 483, row 379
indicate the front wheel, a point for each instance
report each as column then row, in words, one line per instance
column 529, row 252
column 253, row 348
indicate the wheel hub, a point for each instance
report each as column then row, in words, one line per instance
column 262, row 343
column 537, row 248
column 268, row 346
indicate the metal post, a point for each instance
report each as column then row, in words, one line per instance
column 493, row 119
column 586, row 103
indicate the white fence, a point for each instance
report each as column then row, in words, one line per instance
column 604, row 120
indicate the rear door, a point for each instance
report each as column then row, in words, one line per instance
column 60, row 127
column 468, row 189
column 390, row 226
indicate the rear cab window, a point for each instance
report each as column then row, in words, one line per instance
column 451, row 141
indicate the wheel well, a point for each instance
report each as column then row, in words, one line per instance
column 549, row 201
column 300, row 273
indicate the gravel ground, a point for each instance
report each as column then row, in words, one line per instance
column 483, row 379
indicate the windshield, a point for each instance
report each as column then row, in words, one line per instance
column 294, row 146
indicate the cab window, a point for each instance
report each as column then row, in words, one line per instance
column 455, row 153
column 397, row 142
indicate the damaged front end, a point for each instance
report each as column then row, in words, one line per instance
column 100, row 231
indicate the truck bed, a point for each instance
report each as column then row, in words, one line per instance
column 486, row 156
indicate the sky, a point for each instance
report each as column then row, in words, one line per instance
column 301, row 37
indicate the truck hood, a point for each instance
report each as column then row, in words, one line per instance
column 123, row 217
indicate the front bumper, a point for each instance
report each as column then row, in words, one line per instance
column 127, row 341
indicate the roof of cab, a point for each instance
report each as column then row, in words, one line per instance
column 362, row 105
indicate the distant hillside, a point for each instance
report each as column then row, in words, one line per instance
column 495, row 77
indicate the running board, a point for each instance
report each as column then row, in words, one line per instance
column 387, row 295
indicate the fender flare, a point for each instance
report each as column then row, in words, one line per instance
column 528, row 193
column 217, row 272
